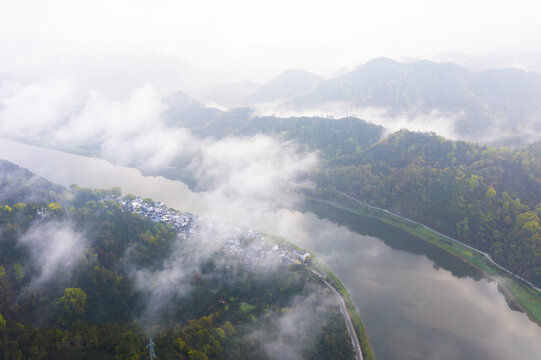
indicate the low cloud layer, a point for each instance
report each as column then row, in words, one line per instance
column 172, row 280
column 251, row 173
column 440, row 123
column 55, row 248
column 289, row 335
column 240, row 178
column 445, row 124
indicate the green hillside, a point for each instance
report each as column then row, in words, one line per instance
column 81, row 277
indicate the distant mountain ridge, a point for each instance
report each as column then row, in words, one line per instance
column 286, row 85
column 530, row 61
column 229, row 94
column 506, row 100
column 498, row 107
column 481, row 195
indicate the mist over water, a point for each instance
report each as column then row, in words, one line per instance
column 417, row 302
column 98, row 76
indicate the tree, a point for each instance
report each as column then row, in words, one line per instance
column 72, row 305
column 19, row 206
column 130, row 347
column 18, row 269
column 148, row 201
column 229, row 328
column 55, row 207
column 491, row 192
column 197, row 355
column 116, row 191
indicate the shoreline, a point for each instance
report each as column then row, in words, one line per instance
column 321, row 270
column 329, row 277
column 526, row 297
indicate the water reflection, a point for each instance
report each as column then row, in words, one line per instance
column 67, row 169
column 412, row 308
column 397, row 239
column 417, row 301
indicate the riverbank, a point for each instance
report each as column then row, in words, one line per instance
column 488, row 328
column 330, row 278
column 354, row 316
column 524, row 296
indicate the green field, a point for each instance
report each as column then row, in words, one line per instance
column 526, row 298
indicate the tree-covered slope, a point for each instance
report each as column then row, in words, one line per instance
column 84, row 277
column 487, row 197
column 334, row 137
column 493, row 105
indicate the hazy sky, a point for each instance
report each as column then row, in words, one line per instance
column 246, row 39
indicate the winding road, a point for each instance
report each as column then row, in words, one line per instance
column 347, row 318
column 488, row 257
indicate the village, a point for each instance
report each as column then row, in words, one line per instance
column 184, row 224
column 249, row 246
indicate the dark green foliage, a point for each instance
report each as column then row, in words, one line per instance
column 333, row 137
column 91, row 311
column 484, row 196
column 330, row 343
column 72, row 305
column 473, row 192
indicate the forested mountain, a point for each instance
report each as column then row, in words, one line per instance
column 286, row 85
column 496, row 106
column 83, row 278
column 488, row 197
column 335, row 137
column 229, row 94
column 498, row 103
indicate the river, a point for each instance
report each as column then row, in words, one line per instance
column 416, row 301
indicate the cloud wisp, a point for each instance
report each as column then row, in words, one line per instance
column 55, row 248
column 242, row 178
column 172, row 280
column 443, row 124
column 294, row 332
column 251, row 172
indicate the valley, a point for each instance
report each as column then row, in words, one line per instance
column 364, row 254
column 89, row 261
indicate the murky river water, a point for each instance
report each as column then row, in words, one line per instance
column 416, row 301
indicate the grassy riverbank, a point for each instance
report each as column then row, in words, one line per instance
column 352, row 310
column 320, row 267
column 526, row 298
